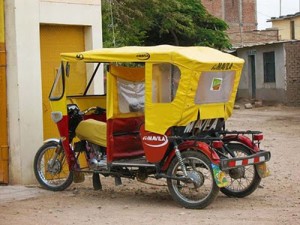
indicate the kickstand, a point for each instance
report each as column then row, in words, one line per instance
column 118, row 181
column 97, row 182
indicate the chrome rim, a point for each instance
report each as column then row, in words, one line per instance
column 53, row 172
column 240, row 178
column 200, row 183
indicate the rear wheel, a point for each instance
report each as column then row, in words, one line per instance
column 50, row 167
column 243, row 180
column 199, row 190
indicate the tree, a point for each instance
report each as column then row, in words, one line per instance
column 152, row 22
column 122, row 23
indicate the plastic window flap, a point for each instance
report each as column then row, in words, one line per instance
column 131, row 96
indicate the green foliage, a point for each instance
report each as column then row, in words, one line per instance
column 153, row 22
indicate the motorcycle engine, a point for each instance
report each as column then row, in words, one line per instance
column 96, row 155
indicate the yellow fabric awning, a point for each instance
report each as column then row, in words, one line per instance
column 186, row 56
column 195, row 63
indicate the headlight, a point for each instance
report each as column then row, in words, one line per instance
column 56, row 116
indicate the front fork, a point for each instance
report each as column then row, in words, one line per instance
column 56, row 154
column 78, row 177
column 57, row 151
column 69, row 155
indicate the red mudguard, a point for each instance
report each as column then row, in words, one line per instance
column 198, row 146
column 242, row 139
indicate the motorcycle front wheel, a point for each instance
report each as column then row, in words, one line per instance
column 200, row 189
column 50, row 167
column 243, row 180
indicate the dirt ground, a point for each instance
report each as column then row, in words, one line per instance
column 276, row 201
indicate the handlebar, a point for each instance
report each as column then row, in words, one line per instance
column 74, row 111
column 88, row 110
column 96, row 109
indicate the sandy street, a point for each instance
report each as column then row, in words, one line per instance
column 276, row 201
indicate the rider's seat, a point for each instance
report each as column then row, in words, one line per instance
column 93, row 131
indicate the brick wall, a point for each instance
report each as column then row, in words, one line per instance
column 249, row 15
column 229, row 10
column 232, row 14
column 214, row 7
column 292, row 73
column 254, row 37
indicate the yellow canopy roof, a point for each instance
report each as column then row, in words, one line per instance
column 201, row 69
column 187, row 56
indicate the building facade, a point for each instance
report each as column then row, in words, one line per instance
column 288, row 26
column 241, row 16
column 272, row 68
column 36, row 32
column 271, row 72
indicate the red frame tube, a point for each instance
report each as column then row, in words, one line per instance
column 63, row 128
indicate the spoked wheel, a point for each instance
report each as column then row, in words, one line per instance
column 51, row 169
column 199, row 189
column 243, row 180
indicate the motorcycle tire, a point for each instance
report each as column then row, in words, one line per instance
column 193, row 195
column 243, row 180
column 55, row 177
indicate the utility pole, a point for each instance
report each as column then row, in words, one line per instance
column 279, row 7
column 241, row 22
column 112, row 23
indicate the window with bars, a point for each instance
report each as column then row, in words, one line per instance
column 269, row 67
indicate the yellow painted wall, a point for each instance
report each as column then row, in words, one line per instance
column 54, row 40
column 284, row 28
column 3, row 102
column 297, row 28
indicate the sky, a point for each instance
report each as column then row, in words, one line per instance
column 271, row 8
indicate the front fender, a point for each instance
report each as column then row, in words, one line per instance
column 52, row 140
column 198, row 146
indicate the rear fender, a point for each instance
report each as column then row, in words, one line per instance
column 198, row 146
column 242, row 139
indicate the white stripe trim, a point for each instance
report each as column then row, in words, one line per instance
column 250, row 161
column 239, row 163
column 262, row 158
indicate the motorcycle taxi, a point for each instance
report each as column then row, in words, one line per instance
column 152, row 122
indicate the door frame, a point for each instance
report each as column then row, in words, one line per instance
column 252, row 76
